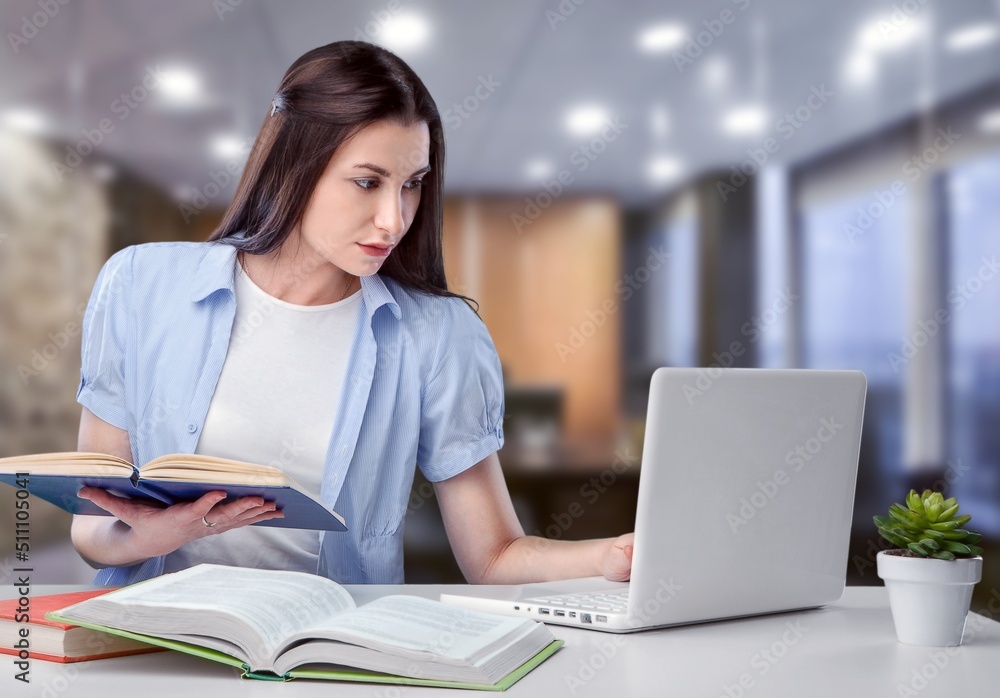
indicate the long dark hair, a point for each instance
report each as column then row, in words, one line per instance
column 325, row 97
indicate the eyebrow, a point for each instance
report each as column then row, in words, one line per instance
column 385, row 173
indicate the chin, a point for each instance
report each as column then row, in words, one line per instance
column 366, row 268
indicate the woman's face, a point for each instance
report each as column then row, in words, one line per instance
column 366, row 199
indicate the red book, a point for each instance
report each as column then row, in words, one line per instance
column 61, row 642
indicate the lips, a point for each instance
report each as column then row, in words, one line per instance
column 376, row 250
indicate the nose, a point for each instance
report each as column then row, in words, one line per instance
column 389, row 215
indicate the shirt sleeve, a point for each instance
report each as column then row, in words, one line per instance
column 462, row 402
column 103, row 342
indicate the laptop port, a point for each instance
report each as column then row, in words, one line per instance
column 517, row 608
column 602, row 619
column 572, row 614
column 543, row 611
column 559, row 613
column 585, row 617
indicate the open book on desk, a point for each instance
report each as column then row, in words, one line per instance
column 170, row 479
column 279, row 625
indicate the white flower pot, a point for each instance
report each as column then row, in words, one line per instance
column 929, row 598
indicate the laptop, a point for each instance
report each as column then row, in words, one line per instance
column 746, row 494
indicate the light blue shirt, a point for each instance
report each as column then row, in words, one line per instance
column 423, row 387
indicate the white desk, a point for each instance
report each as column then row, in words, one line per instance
column 845, row 649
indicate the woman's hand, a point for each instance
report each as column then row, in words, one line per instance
column 618, row 558
column 160, row 530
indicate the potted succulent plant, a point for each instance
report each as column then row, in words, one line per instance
column 931, row 575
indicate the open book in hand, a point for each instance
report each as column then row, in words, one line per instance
column 170, row 479
column 287, row 625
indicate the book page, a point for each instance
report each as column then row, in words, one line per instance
column 320, row 654
column 201, row 468
column 67, row 463
column 420, row 628
column 271, row 604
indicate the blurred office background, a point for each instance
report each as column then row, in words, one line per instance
column 629, row 185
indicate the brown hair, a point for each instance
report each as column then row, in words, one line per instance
column 325, row 97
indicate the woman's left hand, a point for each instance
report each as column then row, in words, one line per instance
column 617, row 562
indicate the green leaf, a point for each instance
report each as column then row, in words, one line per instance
column 963, row 519
column 895, row 540
column 958, row 534
column 946, row 525
column 950, row 502
column 947, row 513
column 931, row 533
column 975, row 550
column 904, row 515
column 930, row 544
column 915, row 547
column 972, row 537
column 914, row 503
column 882, row 521
column 933, row 511
column 943, row 555
column 898, row 541
column 957, row 548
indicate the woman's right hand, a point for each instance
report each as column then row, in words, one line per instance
column 157, row 530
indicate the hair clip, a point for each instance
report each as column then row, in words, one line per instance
column 274, row 105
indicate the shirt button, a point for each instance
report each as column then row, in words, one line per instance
column 343, row 452
column 192, row 428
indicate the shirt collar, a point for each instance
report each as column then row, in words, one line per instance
column 216, row 272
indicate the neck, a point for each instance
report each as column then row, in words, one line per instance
column 299, row 280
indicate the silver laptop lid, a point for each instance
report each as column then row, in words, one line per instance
column 746, row 494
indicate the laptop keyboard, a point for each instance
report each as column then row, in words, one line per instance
column 610, row 601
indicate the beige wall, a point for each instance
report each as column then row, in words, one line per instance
column 535, row 286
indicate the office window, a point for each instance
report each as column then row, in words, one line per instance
column 974, row 332
column 673, row 298
column 682, row 292
column 853, row 315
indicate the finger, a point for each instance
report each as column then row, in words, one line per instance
column 116, row 506
column 223, row 513
column 254, row 511
column 265, row 516
column 204, row 504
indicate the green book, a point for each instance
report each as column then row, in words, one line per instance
column 278, row 626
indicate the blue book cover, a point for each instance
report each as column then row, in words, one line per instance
column 171, row 479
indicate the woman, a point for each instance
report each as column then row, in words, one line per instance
column 313, row 331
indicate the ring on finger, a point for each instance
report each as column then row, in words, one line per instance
column 207, row 524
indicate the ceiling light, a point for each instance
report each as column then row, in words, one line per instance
column 25, row 120
column 860, row 67
column 228, row 146
column 664, row 169
column 179, row 84
column 971, row 37
column 539, row 169
column 404, row 32
column 744, row 121
column 586, row 121
column 990, row 121
column 662, row 37
column 888, row 34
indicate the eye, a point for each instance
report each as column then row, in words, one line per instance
column 417, row 183
column 364, row 184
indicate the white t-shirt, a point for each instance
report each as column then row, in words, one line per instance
column 275, row 404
